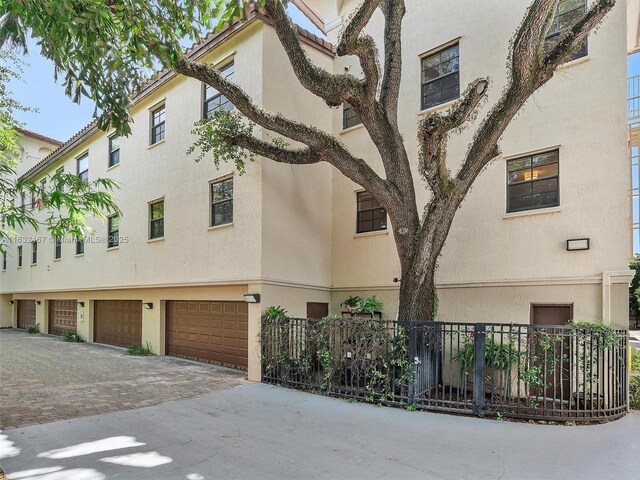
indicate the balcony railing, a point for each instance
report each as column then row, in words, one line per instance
column 633, row 99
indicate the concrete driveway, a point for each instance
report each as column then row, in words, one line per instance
column 43, row 379
column 262, row 432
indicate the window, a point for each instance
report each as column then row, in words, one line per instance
column 371, row 215
column 19, row 256
column 350, row 118
column 34, row 253
column 222, row 202
column 59, row 172
column 568, row 13
column 4, row 261
column 532, row 182
column 80, row 246
column 441, row 77
column 156, row 220
column 57, row 249
column 114, row 151
column 114, row 231
column 83, row 167
column 157, row 125
column 33, row 199
column 213, row 99
column 23, row 201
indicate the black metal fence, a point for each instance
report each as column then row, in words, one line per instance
column 556, row 373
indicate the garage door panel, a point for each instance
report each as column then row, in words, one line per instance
column 26, row 313
column 214, row 331
column 63, row 316
column 118, row 322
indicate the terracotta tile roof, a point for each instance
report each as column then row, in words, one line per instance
column 197, row 50
column 38, row 136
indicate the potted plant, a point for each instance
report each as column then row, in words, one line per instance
column 370, row 304
column 350, row 303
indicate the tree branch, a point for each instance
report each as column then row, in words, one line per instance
column 280, row 154
column 393, row 11
column 334, row 89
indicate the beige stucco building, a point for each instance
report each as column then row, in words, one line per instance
column 295, row 235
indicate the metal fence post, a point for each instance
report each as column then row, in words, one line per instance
column 479, row 336
column 413, row 351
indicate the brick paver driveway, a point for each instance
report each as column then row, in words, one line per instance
column 43, row 379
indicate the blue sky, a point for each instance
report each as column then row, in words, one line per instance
column 60, row 118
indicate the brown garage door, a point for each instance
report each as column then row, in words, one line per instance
column 118, row 322
column 213, row 332
column 63, row 316
column 26, row 313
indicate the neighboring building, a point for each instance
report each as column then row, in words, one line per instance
column 194, row 240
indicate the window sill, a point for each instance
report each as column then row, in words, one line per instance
column 34, row 264
column 575, row 62
column 371, row 234
column 528, row 213
column 77, row 255
column 351, row 129
column 218, row 227
column 57, row 259
column 437, row 108
column 111, row 249
column 154, row 240
column 113, row 166
column 155, row 144
column 18, row 268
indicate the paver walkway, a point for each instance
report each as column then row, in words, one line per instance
column 43, row 379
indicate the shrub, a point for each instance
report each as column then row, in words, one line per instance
column 275, row 312
column 34, row 328
column 635, row 360
column 634, row 392
column 138, row 350
column 72, row 337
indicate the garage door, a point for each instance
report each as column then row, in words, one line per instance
column 213, row 332
column 118, row 322
column 63, row 316
column 26, row 313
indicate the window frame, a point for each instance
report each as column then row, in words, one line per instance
column 213, row 204
column 153, row 136
column 152, row 220
column 583, row 51
column 80, row 251
column 4, row 261
column 212, row 98
column 531, row 181
column 34, row 253
column 57, row 248
column 19, row 256
column 373, row 209
column 346, row 108
column 438, row 51
column 82, row 174
column 112, row 151
column 113, row 241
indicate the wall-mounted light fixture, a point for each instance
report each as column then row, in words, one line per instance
column 574, row 244
column 11, row 302
column 38, row 302
column 148, row 305
column 252, row 297
column 81, row 304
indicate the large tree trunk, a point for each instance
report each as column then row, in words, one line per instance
column 417, row 296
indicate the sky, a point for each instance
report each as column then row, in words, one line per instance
column 58, row 117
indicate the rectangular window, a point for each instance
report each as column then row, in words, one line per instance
column 114, row 151
column 23, row 201
column 83, row 167
column 157, row 125
column 222, row 202
column 441, row 77
column 34, row 253
column 33, row 199
column 371, row 215
column 57, row 249
column 4, row 261
column 59, row 172
column 350, row 118
column 568, row 13
column 156, row 220
column 213, row 99
column 114, row 231
column 80, row 246
column 532, row 182
column 19, row 255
